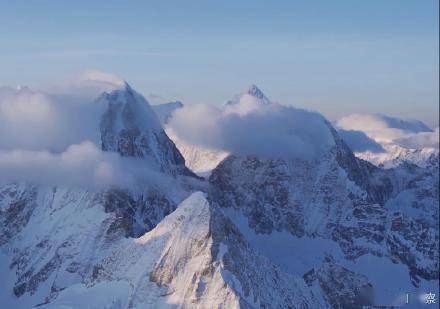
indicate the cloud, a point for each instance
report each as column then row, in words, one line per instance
column 249, row 128
column 382, row 128
column 244, row 104
column 86, row 86
column 53, row 137
column 57, row 116
column 420, row 140
column 36, row 120
column 358, row 141
column 80, row 165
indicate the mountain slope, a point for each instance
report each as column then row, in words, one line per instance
column 195, row 257
column 51, row 235
column 340, row 200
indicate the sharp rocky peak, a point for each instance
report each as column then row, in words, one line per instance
column 254, row 91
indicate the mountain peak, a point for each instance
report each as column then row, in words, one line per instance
column 254, row 91
column 127, row 86
column 252, row 98
column 130, row 127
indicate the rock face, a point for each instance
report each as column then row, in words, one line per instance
column 54, row 237
column 131, row 128
column 342, row 288
column 253, row 92
column 340, row 198
column 196, row 258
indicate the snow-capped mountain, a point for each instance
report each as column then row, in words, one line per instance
column 194, row 258
column 51, row 236
column 395, row 155
column 254, row 92
column 249, row 100
column 201, row 159
column 332, row 219
column 324, row 231
column 131, row 128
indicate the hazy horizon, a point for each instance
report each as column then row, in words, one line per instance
column 337, row 58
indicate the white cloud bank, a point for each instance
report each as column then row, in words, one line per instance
column 54, row 118
column 35, row 120
column 53, row 137
column 81, row 165
column 391, row 130
column 250, row 128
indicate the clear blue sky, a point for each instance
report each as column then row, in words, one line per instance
column 336, row 57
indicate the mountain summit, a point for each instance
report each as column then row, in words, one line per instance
column 252, row 96
column 130, row 127
column 254, row 91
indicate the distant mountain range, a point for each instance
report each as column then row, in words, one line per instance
column 342, row 229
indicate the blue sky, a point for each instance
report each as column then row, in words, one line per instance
column 336, row 57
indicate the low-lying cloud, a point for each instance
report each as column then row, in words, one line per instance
column 54, row 118
column 270, row 130
column 421, row 140
column 382, row 128
column 35, row 120
column 52, row 137
column 358, row 141
column 81, row 165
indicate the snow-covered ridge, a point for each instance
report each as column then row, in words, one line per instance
column 194, row 257
column 267, row 231
column 396, row 155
